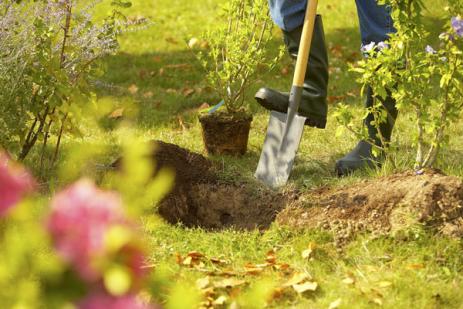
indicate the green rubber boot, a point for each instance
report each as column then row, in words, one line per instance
column 313, row 104
column 362, row 155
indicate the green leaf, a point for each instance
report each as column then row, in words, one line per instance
column 117, row 280
column 121, row 3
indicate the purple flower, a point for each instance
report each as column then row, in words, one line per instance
column 430, row 50
column 368, row 47
column 382, row 45
column 457, row 25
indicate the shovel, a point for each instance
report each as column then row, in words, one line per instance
column 284, row 131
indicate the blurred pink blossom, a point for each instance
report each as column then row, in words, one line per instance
column 133, row 256
column 15, row 182
column 104, row 301
column 81, row 216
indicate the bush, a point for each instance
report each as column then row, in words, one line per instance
column 49, row 53
column 420, row 78
column 237, row 47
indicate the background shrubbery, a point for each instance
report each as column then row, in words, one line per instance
column 49, row 55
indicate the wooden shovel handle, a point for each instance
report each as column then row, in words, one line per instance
column 306, row 42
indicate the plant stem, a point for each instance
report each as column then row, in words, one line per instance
column 58, row 142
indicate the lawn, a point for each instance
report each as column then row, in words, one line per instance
column 158, row 85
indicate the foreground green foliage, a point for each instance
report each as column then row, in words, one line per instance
column 156, row 85
column 420, row 78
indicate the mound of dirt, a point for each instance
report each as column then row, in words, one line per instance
column 200, row 198
column 384, row 205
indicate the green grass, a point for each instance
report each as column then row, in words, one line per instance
column 424, row 272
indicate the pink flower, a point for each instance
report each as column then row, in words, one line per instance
column 100, row 300
column 80, row 219
column 133, row 256
column 15, row 182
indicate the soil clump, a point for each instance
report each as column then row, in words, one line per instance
column 385, row 205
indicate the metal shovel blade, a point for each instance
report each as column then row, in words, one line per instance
column 275, row 163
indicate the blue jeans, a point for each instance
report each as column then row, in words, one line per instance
column 375, row 20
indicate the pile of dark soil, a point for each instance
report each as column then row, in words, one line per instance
column 200, row 198
column 384, row 205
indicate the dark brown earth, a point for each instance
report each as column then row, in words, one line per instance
column 200, row 198
column 383, row 205
column 223, row 134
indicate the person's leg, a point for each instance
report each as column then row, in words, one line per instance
column 289, row 16
column 375, row 26
column 375, row 21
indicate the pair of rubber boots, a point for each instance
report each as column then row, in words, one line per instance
column 314, row 106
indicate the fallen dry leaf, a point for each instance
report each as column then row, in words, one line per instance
column 204, row 44
column 337, row 51
column 218, row 261
column 378, row 301
column 251, row 269
column 229, row 283
column 349, row 280
column 296, row 279
column 416, row 266
column 277, row 293
column 335, row 304
column 281, row 266
column 352, row 94
column 308, row 252
column 188, row 261
column 178, row 258
column 195, row 254
column 384, row 284
column 227, row 273
column 284, row 71
column 187, row 92
column 142, row 74
column 336, row 98
column 116, row 114
column 203, row 283
column 193, row 42
column 221, row 300
column 203, row 106
column 157, row 104
column 133, row 89
column 304, row 287
column 271, row 257
column 148, row 95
